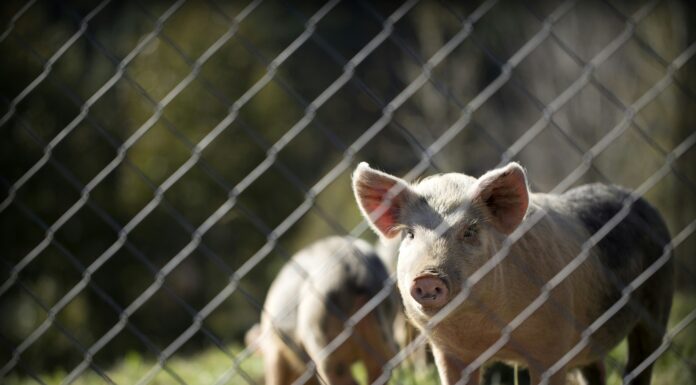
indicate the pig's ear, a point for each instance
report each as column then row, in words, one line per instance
column 504, row 193
column 381, row 198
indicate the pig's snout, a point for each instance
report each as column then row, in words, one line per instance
column 430, row 291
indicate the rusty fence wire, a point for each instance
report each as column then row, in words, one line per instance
column 576, row 91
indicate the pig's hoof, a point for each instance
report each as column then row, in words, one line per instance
column 430, row 291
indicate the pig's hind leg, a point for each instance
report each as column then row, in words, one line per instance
column 643, row 340
column 655, row 297
column 594, row 373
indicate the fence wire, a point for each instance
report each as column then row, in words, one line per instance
column 418, row 79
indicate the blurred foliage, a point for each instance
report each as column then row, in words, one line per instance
column 151, row 103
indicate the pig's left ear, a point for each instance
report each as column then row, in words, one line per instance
column 381, row 198
column 504, row 193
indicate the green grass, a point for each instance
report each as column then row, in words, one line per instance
column 208, row 366
column 203, row 368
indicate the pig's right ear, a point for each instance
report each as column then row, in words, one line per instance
column 381, row 198
column 505, row 195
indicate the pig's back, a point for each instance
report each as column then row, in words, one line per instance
column 342, row 266
column 335, row 269
column 634, row 242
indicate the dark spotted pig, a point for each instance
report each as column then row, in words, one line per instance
column 306, row 309
column 451, row 224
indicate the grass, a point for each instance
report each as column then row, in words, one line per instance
column 203, row 368
column 210, row 365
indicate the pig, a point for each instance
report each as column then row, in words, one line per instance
column 450, row 225
column 307, row 307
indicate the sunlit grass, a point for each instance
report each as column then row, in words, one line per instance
column 206, row 367
column 211, row 365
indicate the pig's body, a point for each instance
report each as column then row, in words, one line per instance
column 455, row 223
column 307, row 306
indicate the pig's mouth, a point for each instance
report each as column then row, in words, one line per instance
column 430, row 290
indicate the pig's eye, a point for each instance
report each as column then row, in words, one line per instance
column 469, row 232
column 410, row 234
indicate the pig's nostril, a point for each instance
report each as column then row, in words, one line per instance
column 429, row 291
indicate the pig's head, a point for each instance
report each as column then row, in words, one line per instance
column 449, row 225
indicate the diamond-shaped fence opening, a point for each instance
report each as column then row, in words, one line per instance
column 163, row 163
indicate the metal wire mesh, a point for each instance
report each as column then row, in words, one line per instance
column 419, row 106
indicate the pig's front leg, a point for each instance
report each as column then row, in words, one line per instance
column 450, row 369
column 558, row 378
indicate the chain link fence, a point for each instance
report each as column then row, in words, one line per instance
column 161, row 161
